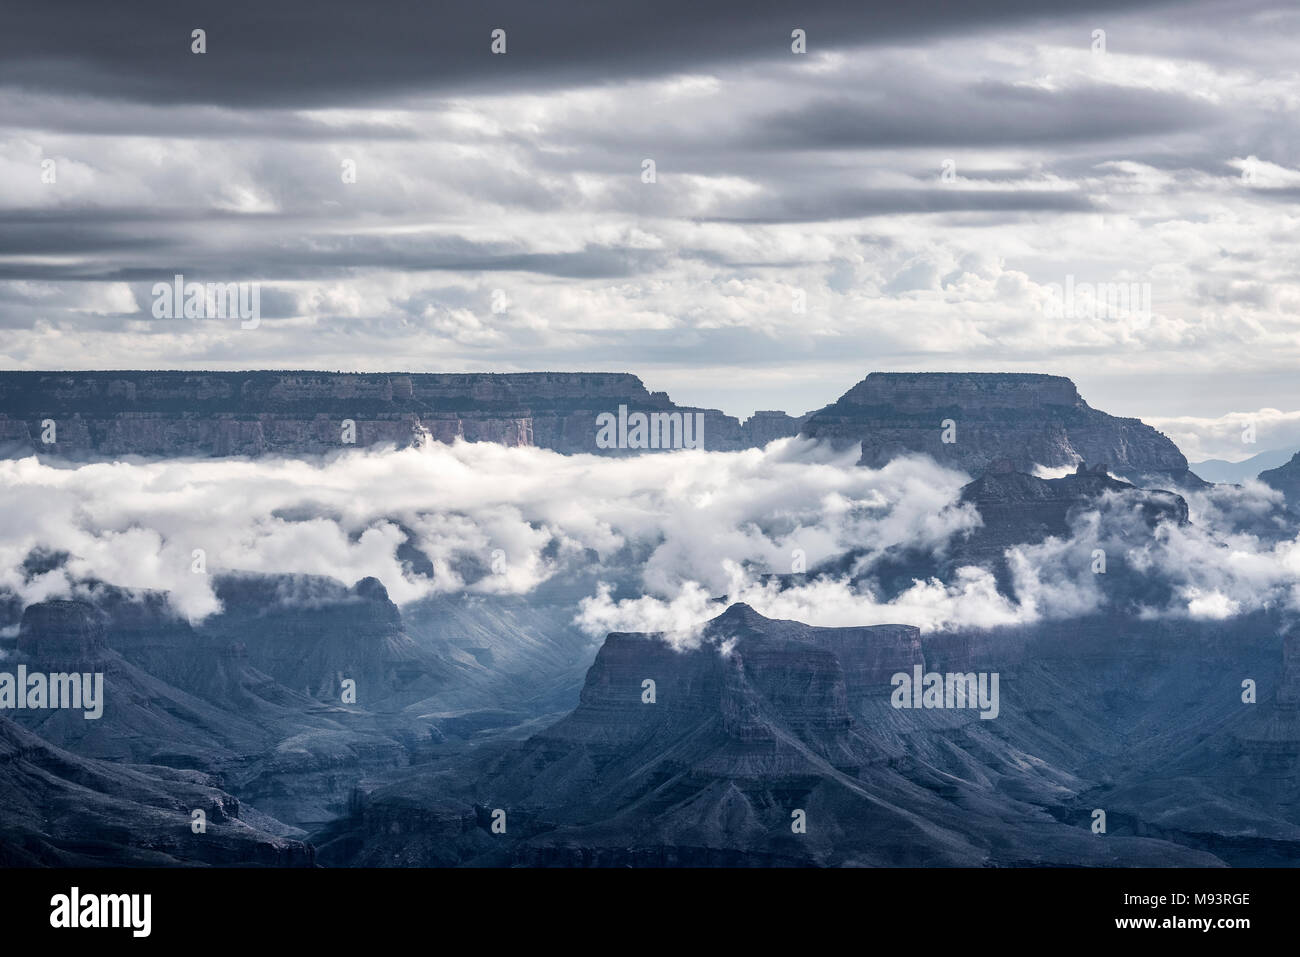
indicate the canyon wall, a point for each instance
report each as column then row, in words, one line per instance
column 1025, row 419
column 107, row 414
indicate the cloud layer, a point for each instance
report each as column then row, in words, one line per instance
column 489, row 518
column 652, row 542
column 1239, row 553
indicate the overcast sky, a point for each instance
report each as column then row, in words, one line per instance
column 1168, row 160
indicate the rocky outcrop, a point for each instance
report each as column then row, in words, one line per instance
column 311, row 634
column 54, row 632
column 1273, row 735
column 1288, row 692
column 85, row 415
column 192, row 700
column 969, row 420
column 144, row 719
column 1017, row 510
column 64, row 810
column 768, row 426
column 1286, row 479
column 1020, row 509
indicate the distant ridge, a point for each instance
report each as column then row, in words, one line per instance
column 1221, row 470
column 178, row 413
column 1029, row 419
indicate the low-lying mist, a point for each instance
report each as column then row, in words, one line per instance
column 677, row 530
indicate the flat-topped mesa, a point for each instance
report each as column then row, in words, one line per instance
column 921, row 391
column 62, row 632
column 747, row 671
column 310, row 633
column 713, row 746
column 104, row 414
column 971, row 420
column 310, row 606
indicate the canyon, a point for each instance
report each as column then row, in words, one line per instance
column 316, row 722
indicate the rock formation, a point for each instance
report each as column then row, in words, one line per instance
column 1023, row 509
column 763, row 721
column 1286, row 479
column 64, row 810
column 192, row 699
column 1032, row 419
column 312, row 633
column 106, row 414
column 969, row 420
column 62, row 632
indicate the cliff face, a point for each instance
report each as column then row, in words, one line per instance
column 1033, row 419
column 311, row 633
column 1029, row 419
column 65, row 810
column 1286, row 479
column 71, row 632
column 101, row 414
column 194, row 699
column 1016, row 508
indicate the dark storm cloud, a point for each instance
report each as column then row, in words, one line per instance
column 856, row 204
column 985, row 114
column 35, row 242
column 336, row 51
column 279, row 255
column 83, row 218
column 202, row 122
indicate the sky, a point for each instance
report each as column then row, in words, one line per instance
column 921, row 189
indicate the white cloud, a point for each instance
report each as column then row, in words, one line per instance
column 664, row 521
column 1210, row 567
column 1234, row 436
